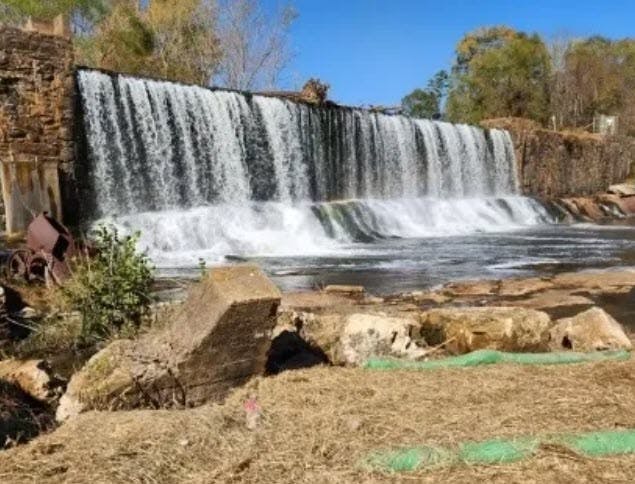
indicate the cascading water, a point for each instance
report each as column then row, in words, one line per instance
column 209, row 173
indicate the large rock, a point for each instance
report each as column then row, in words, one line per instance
column 368, row 335
column 473, row 328
column 218, row 341
column 350, row 339
column 33, row 377
column 591, row 330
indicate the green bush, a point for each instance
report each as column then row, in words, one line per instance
column 111, row 290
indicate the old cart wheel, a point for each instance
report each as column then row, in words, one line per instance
column 38, row 268
column 18, row 264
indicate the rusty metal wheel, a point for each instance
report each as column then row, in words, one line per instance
column 18, row 264
column 38, row 268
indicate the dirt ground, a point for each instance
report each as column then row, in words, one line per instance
column 318, row 424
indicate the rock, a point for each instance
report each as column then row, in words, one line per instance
column 595, row 279
column 522, row 287
column 591, row 330
column 34, row 377
column 627, row 204
column 623, row 189
column 549, row 298
column 368, row 335
column 343, row 289
column 218, row 340
column 471, row 288
column 474, row 328
column 350, row 339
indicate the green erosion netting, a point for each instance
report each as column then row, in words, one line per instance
column 499, row 451
column 602, row 443
column 408, row 459
column 490, row 357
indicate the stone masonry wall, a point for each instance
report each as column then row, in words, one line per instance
column 36, row 141
column 553, row 164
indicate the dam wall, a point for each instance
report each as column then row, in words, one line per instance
column 36, row 123
column 555, row 164
column 123, row 145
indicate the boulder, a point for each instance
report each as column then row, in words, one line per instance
column 33, row 377
column 473, row 328
column 350, row 339
column 218, row 340
column 591, row 330
column 368, row 335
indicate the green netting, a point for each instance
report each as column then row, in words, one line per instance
column 497, row 451
column 408, row 459
column 490, row 357
column 602, row 443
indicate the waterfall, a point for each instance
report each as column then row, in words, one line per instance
column 214, row 172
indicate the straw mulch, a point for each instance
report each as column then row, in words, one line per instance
column 318, row 424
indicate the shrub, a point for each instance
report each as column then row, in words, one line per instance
column 111, row 290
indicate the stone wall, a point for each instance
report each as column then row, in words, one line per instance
column 36, row 92
column 554, row 164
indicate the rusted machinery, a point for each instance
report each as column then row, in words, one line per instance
column 49, row 246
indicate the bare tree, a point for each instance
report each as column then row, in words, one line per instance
column 254, row 44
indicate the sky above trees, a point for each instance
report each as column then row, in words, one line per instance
column 375, row 51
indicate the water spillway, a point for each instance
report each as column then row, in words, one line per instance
column 209, row 173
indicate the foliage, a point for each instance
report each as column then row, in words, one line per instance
column 186, row 45
column 497, row 73
column 426, row 103
column 83, row 13
column 235, row 42
column 595, row 76
column 111, row 290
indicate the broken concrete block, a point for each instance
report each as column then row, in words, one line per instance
column 218, row 340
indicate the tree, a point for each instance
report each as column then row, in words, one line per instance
column 186, row 45
column 426, row 103
column 171, row 39
column 255, row 45
column 123, row 41
column 595, row 76
column 499, row 72
column 421, row 103
column 83, row 13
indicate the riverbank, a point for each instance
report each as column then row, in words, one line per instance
column 321, row 424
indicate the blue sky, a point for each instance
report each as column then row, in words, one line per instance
column 376, row 51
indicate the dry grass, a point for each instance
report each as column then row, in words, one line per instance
column 319, row 423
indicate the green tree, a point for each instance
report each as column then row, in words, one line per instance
column 421, row 103
column 426, row 103
column 499, row 72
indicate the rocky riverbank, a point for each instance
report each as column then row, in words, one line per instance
column 341, row 404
